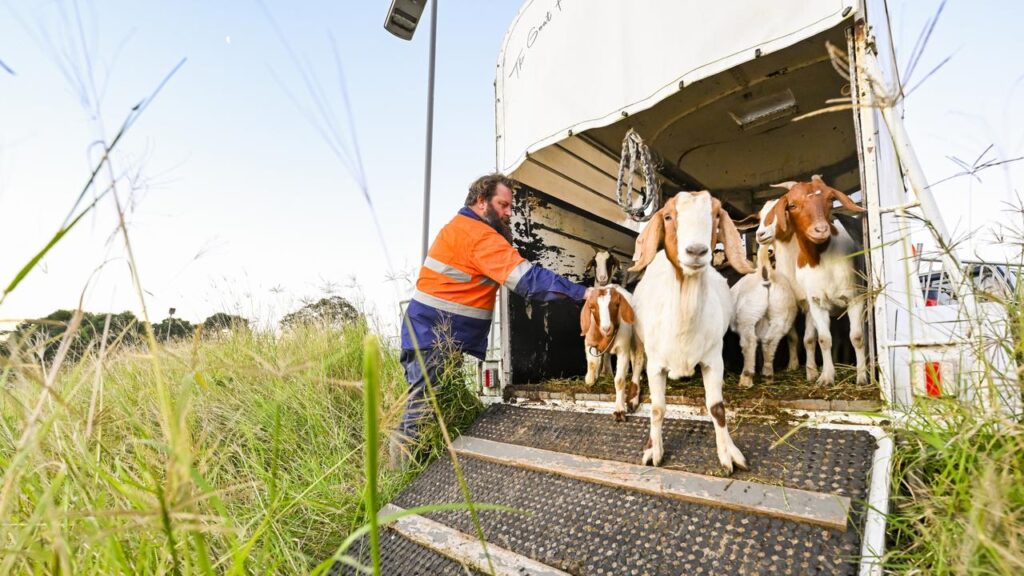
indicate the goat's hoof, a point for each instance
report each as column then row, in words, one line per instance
column 825, row 380
column 651, row 456
column 862, row 379
column 726, row 463
column 812, row 374
column 619, row 415
column 738, row 459
column 632, row 397
column 732, row 459
column 768, row 376
column 746, row 380
column 590, row 380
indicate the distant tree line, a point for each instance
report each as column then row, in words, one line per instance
column 43, row 336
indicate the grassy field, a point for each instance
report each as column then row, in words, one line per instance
column 251, row 462
column 244, row 453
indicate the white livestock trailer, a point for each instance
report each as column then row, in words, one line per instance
column 729, row 97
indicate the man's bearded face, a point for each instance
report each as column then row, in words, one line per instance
column 502, row 225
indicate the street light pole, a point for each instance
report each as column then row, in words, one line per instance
column 402, row 19
column 430, row 131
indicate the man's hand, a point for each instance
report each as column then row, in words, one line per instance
column 586, row 295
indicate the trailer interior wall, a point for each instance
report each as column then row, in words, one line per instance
column 544, row 337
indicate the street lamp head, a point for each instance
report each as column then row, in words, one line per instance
column 403, row 17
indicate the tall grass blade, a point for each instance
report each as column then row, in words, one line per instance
column 371, row 387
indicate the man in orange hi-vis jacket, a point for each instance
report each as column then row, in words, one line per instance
column 451, row 309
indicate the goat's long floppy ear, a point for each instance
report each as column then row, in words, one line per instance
column 780, row 216
column 731, row 240
column 749, row 222
column 585, row 318
column 590, row 265
column 626, row 313
column 651, row 239
column 845, row 200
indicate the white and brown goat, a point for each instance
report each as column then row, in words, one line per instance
column 683, row 309
column 816, row 252
column 604, row 266
column 765, row 310
column 606, row 322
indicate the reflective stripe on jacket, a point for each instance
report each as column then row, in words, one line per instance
column 455, row 292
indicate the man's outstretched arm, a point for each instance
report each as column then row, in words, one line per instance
column 501, row 262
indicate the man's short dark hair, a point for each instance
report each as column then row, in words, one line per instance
column 487, row 186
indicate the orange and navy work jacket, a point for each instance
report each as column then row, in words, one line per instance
column 455, row 292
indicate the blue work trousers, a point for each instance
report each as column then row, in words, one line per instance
column 417, row 406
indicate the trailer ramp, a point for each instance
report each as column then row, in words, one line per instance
column 587, row 507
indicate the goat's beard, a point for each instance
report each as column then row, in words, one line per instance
column 502, row 225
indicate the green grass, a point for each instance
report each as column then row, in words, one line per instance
column 958, row 494
column 253, row 463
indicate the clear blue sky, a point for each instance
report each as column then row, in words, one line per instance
column 241, row 205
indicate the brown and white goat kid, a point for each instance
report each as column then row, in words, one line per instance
column 604, row 265
column 606, row 322
column 683, row 308
column 817, row 253
column 765, row 310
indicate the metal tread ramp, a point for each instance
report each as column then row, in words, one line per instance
column 584, row 506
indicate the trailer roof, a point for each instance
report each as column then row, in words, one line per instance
column 698, row 80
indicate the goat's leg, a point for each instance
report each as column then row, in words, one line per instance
column 728, row 454
column 654, row 449
column 621, row 369
column 855, row 311
column 794, row 341
column 769, row 347
column 748, row 343
column 593, row 367
column 822, row 322
column 606, row 365
column 633, row 391
column 810, row 346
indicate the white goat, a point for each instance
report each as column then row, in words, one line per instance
column 606, row 322
column 683, row 308
column 765, row 311
column 817, row 253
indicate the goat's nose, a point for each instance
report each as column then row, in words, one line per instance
column 697, row 250
column 821, row 229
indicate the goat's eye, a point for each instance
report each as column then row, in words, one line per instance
column 668, row 218
column 791, row 207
